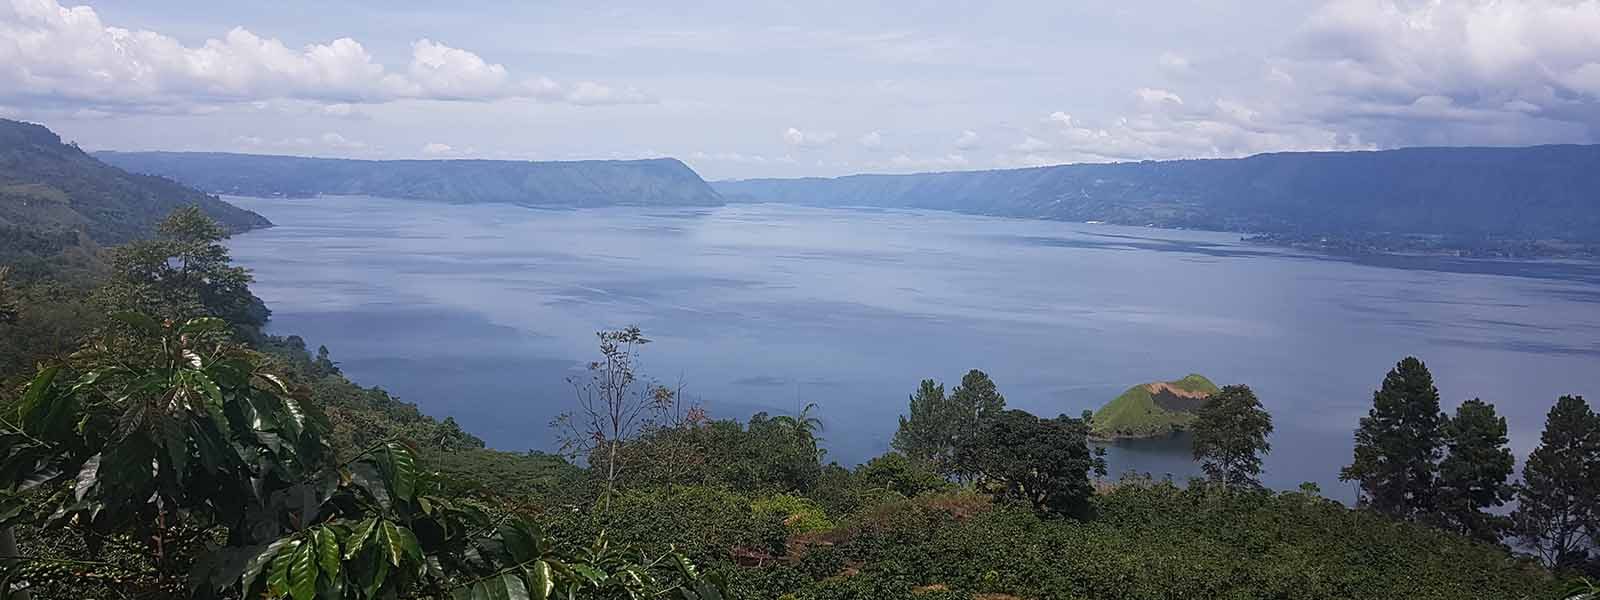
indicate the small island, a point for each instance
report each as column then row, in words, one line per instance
column 1151, row 410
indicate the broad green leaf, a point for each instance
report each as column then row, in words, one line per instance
column 380, row 571
column 87, row 477
column 403, row 468
column 398, row 542
column 303, row 572
column 328, row 552
column 359, row 536
column 252, row 569
column 541, row 581
column 518, row 543
column 278, row 578
column 506, row 587
column 33, row 408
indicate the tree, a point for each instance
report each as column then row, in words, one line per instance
column 1556, row 504
column 614, row 406
column 1044, row 462
column 938, row 423
column 1398, row 444
column 1473, row 475
column 927, row 434
column 1230, row 437
column 895, row 472
column 184, row 273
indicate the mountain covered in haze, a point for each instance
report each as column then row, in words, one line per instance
column 1541, row 192
column 51, row 192
column 651, row 182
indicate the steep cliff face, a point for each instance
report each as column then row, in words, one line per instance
column 651, row 182
column 1153, row 409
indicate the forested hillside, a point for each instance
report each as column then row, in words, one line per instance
column 50, row 191
column 1522, row 193
column 651, row 182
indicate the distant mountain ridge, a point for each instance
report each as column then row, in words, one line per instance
column 1527, row 193
column 51, row 192
column 648, row 182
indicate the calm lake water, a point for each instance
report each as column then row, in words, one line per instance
column 480, row 311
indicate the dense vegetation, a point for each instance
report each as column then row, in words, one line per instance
column 156, row 444
column 50, row 192
column 1476, row 195
column 652, row 182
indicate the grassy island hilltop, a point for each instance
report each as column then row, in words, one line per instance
column 1152, row 409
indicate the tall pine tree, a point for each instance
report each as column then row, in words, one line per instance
column 1473, row 475
column 1398, row 444
column 927, row 433
column 1230, row 437
column 1556, row 513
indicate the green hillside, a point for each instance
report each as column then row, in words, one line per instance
column 50, row 192
column 1153, row 409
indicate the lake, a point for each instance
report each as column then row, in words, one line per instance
column 479, row 312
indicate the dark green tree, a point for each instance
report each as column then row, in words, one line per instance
column 184, row 273
column 1473, row 475
column 928, row 433
column 1230, row 437
column 1556, row 504
column 895, row 472
column 1398, row 444
column 938, row 424
column 1043, row 462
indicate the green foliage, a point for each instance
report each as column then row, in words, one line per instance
column 1473, row 475
column 900, row 474
column 1153, row 409
column 50, row 190
column 185, row 272
column 1230, row 437
column 799, row 514
column 1558, row 503
column 1399, row 443
column 1044, row 463
column 764, row 455
column 938, row 425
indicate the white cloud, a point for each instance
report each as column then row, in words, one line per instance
column 1174, row 62
column 334, row 140
column 871, row 140
column 1157, row 98
column 1031, row 145
column 904, row 162
column 55, row 55
column 437, row 149
column 968, row 140
column 808, row 139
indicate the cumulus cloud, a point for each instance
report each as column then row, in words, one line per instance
column 1361, row 74
column 325, row 142
column 51, row 54
column 437, row 149
column 968, row 140
column 808, row 139
column 1438, row 72
column 871, row 140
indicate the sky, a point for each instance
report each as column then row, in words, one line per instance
column 787, row 89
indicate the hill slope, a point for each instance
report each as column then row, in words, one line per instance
column 653, row 182
column 1525, row 193
column 50, row 191
column 1153, row 409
